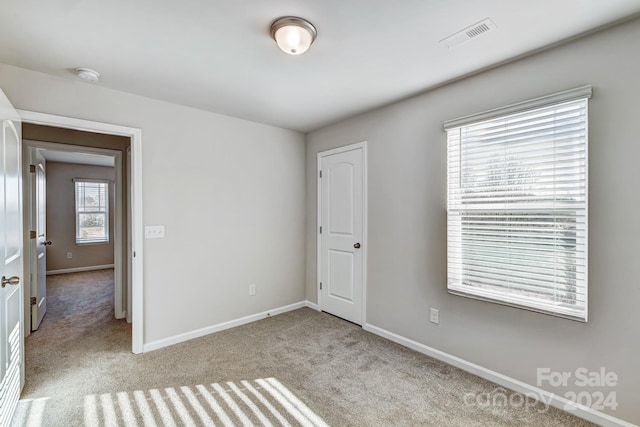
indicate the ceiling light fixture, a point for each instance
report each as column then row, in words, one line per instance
column 88, row 74
column 294, row 35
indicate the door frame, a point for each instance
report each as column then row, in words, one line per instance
column 357, row 146
column 136, row 224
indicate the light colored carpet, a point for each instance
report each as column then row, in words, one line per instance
column 308, row 367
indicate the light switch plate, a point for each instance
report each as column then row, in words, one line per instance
column 434, row 316
column 154, row 232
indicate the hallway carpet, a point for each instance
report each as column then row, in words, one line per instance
column 309, row 367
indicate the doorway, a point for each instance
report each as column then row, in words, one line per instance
column 130, row 257
column 342, row 225
column 73, row 203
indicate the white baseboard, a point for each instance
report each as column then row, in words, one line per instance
column 312, row 305
column 544, row 396
column 165, row 342
column 79, row 269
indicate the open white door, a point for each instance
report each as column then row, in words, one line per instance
column 11, row 330
column 342, row 231
column 39, row 242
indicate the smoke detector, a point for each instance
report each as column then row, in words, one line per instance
column 469, row 33
column 88, row 74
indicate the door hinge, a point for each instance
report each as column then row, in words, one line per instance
column 320, row 285
column 320, row 229
column 32, row 234
column 33, row 301
column 32, row 168
column 320, row 174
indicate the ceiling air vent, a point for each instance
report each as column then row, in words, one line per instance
column 468, row 33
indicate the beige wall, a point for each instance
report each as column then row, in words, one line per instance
column 61, row 223
column 407, row 259
column 230, row 193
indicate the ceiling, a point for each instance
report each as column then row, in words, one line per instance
column 217, row 55
column 78, row 158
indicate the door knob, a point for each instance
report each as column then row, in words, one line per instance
column 15, row 280
column 357, row 246
column 47, row 243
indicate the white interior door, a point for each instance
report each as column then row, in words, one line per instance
column 342, row 218
column 11, row 332
column 39, row 244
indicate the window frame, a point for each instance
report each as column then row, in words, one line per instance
column 105, row 211
column 456, row 286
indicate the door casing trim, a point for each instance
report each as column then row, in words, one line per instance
column 137, row 235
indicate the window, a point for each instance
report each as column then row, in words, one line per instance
column 92, row 211
column 517, row 205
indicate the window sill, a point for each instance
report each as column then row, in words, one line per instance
column 92, row 242
column 565, row 314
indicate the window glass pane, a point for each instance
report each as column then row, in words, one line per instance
column 92, row 226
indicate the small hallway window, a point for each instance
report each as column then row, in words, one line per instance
column 92, row 211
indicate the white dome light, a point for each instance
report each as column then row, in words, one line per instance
column 293, row 35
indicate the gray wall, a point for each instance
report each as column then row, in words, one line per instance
column 230, row 193
column 407, row 218
column 61, row 222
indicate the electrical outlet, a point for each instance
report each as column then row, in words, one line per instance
column 435, row 315
column 252, row 290
column 69, row 255
column 154, row 232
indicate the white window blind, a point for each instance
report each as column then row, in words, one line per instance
column 92, row 211
column 517, row 205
